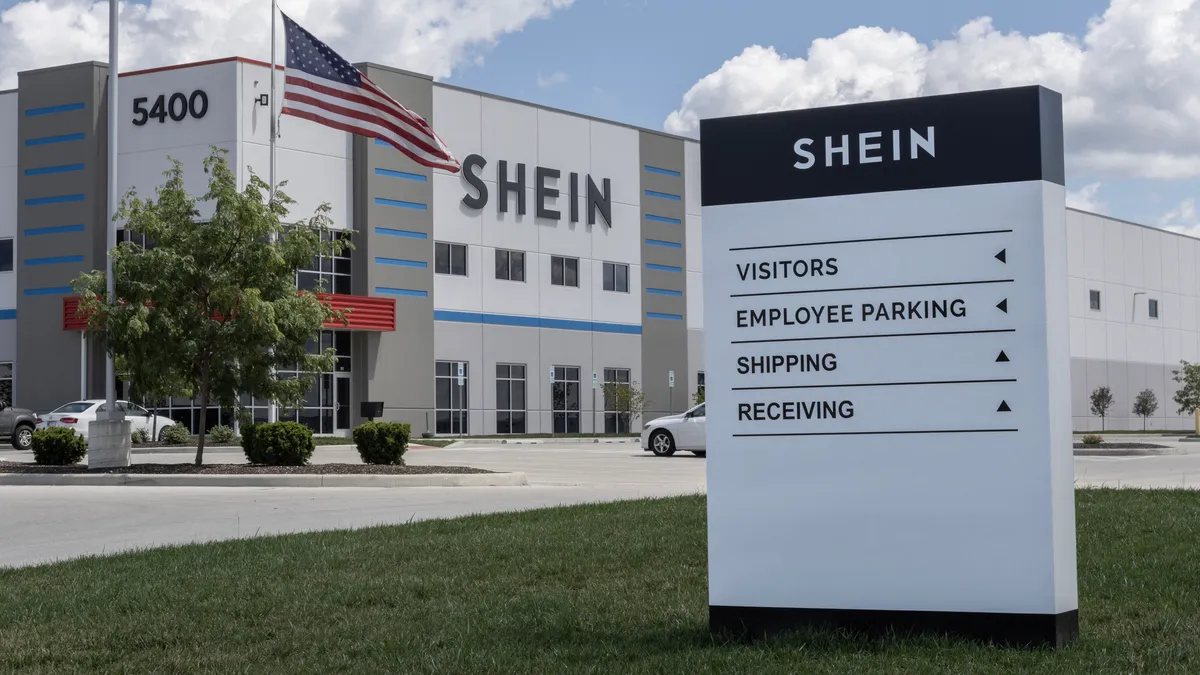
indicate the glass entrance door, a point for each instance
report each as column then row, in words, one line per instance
column 341, row 405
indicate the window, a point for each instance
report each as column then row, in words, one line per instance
column 1094, row 298
column 326, row 405
column 124, row 235
column 1153, row 308
column 329, row 274
column 6, row 371
column 510, row 398
column 564, row 398
column 564, row 272
column 6, row 255
column 616, row 277
column 616, row 400
column 451, row 397
column 700, row 384
column 450, row 259
column 510, row 265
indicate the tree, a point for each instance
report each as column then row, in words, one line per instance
column 698, row 397
column 1102, row 400
column 212, row 307
column 1144, row 405
column 1188, row 396
column 626, row 400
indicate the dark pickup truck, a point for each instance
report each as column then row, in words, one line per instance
column 17, row 425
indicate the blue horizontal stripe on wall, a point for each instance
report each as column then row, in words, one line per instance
column 535, row 322
column 401, row 174
column 663, row 268
column 663, row 219
column 56, row 260
column 399, row 204
column 662, row 195
column 400, row 233
column 6, row 314
column 56, row 199
column 663, row 291
column 401, row 263
column 383, row 290
column 57, row 229
column 47, row 140
column 669, row 317
column 666, row 244
column 56, row 290
column 49, row 110
column 65, row 168
column 665, row 172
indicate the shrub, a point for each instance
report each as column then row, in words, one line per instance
column 59, row 446
column 176, row 434
column 382, row 442
column 140, row 436
column 221, row 434
column 1092, row 439
column 278, row 444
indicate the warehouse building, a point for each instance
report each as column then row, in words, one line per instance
column 567, row 254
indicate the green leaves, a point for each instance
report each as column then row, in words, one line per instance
column 209, row 307
column 1188, row 396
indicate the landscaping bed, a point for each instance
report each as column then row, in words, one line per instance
column 1119, row 446
column 242, row 469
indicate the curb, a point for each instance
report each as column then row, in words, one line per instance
column 269, row 480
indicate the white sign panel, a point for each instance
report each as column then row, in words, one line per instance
column 890, row 444
column 671, row 379
column 461, row 379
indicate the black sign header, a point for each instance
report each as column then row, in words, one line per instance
column 979, row 138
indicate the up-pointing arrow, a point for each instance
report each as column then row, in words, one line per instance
column 1004, row 407
column 1003, row 358
column 1003, row 305
column 1002, row 256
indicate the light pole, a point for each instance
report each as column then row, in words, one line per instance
column 110, row 371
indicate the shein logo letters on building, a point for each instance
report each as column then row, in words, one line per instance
column 871, row 148
column 597, row 199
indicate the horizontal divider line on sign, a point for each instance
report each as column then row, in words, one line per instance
column 874, row 384
column 881, row 335
column 872, row 288
column 870, row 239
column 883, row 433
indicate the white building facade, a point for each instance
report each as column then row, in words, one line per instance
column 568, row 246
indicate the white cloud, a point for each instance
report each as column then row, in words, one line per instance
column 547, row 81
column 428, row 36
column 1085, row 199
column 1181, row 219
column 1131, row 86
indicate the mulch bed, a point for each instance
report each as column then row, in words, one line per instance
column 234, row 469
column 1119, row 446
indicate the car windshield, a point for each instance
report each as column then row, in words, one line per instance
column 698, row 412
column 77, row 407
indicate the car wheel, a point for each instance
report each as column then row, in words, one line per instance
column 700, row 453
column 661, row 444
column 23, row 438
column 162, row 434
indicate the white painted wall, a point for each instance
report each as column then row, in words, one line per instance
column 1130, row 264
column 8, row 213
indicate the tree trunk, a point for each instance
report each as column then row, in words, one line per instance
column 154, row 424
column 203, row 417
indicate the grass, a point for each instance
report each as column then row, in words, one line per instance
column 618, row 588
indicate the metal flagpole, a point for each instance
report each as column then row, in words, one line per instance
column 110, row 371
column 272, row 409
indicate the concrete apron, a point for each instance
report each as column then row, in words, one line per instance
column 260, row 480
column 110, row 443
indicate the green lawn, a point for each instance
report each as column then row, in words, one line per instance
column 599, row 589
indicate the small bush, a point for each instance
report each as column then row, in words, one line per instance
column 278, row 444
column 140, row 436
column 58, row 447
column 1092, row 439
column 221, row 434
column 382, row 442
column 176, row 434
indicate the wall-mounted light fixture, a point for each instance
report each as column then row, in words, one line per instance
column 263, row 100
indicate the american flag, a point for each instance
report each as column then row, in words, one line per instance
column 322, row 87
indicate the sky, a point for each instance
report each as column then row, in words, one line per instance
column 1127, row 68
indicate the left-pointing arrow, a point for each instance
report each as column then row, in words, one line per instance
column 1003, row 305
column 1002, row 256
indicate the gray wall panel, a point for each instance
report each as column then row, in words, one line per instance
column 1125, row 379
column 398, row 367
column 664, row 341
column 48, row 358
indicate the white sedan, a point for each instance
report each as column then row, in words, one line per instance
column 685, row 431
column 77, row 415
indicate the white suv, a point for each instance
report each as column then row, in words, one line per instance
column 685, row 431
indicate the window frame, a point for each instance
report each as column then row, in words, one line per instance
column 1094, row 294
column 616, row 422
column 12, row 254
column 450, row 248
column 570, row 416
column 612, row 279
column 564, row 270
column 509, row 265
column 506, row 382
column 1152, row 308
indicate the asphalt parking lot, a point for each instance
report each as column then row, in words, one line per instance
column 42, row 524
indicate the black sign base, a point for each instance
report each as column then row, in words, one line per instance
column 1017, row 630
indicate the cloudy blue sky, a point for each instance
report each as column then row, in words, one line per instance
column 1127, row 68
